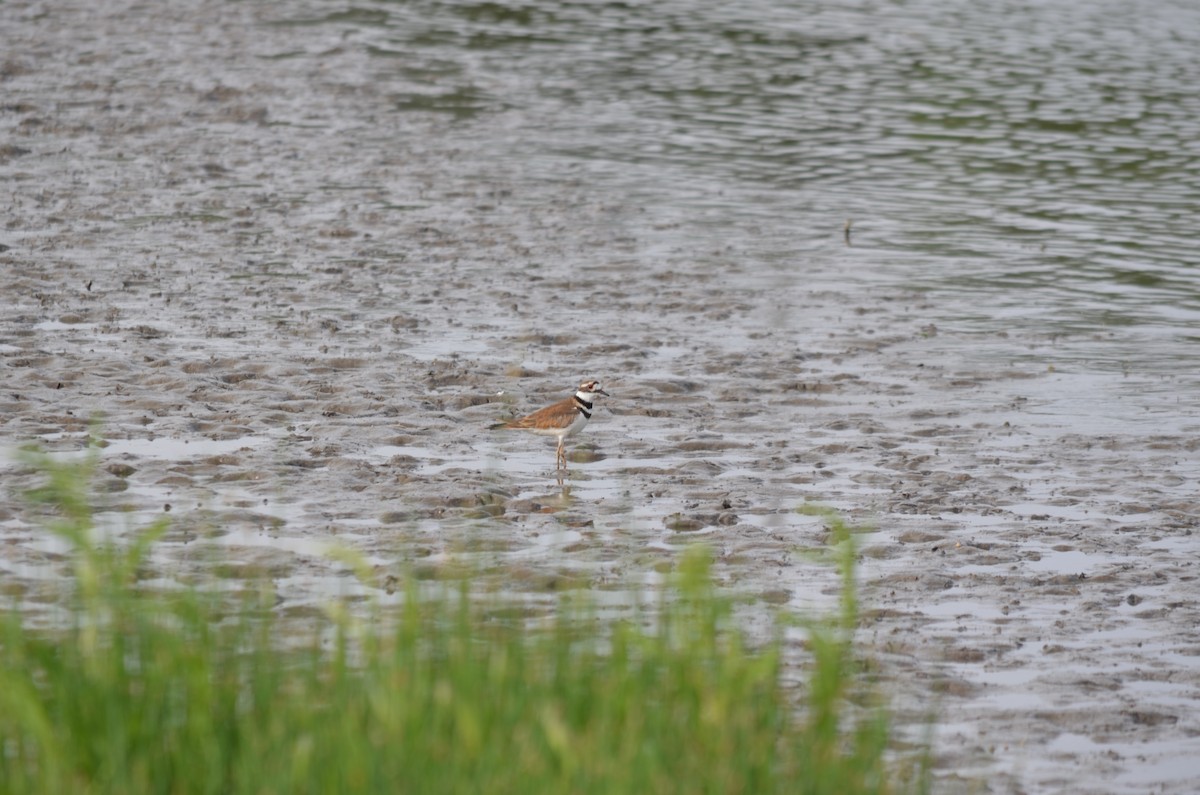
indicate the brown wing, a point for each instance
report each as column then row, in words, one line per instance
column 557, row 415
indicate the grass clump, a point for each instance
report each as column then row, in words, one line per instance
column 180, row 691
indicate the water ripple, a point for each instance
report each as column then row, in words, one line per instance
column 1013, row 153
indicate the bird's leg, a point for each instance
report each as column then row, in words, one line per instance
column 560, row 462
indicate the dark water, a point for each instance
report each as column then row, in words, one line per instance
column 1041, row 157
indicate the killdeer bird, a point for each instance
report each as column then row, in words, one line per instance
column 562, row 419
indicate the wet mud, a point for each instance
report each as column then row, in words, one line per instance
column 294, row 304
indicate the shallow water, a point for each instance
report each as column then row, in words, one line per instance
column 298, row 257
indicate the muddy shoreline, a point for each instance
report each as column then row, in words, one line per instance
column 294, row 311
